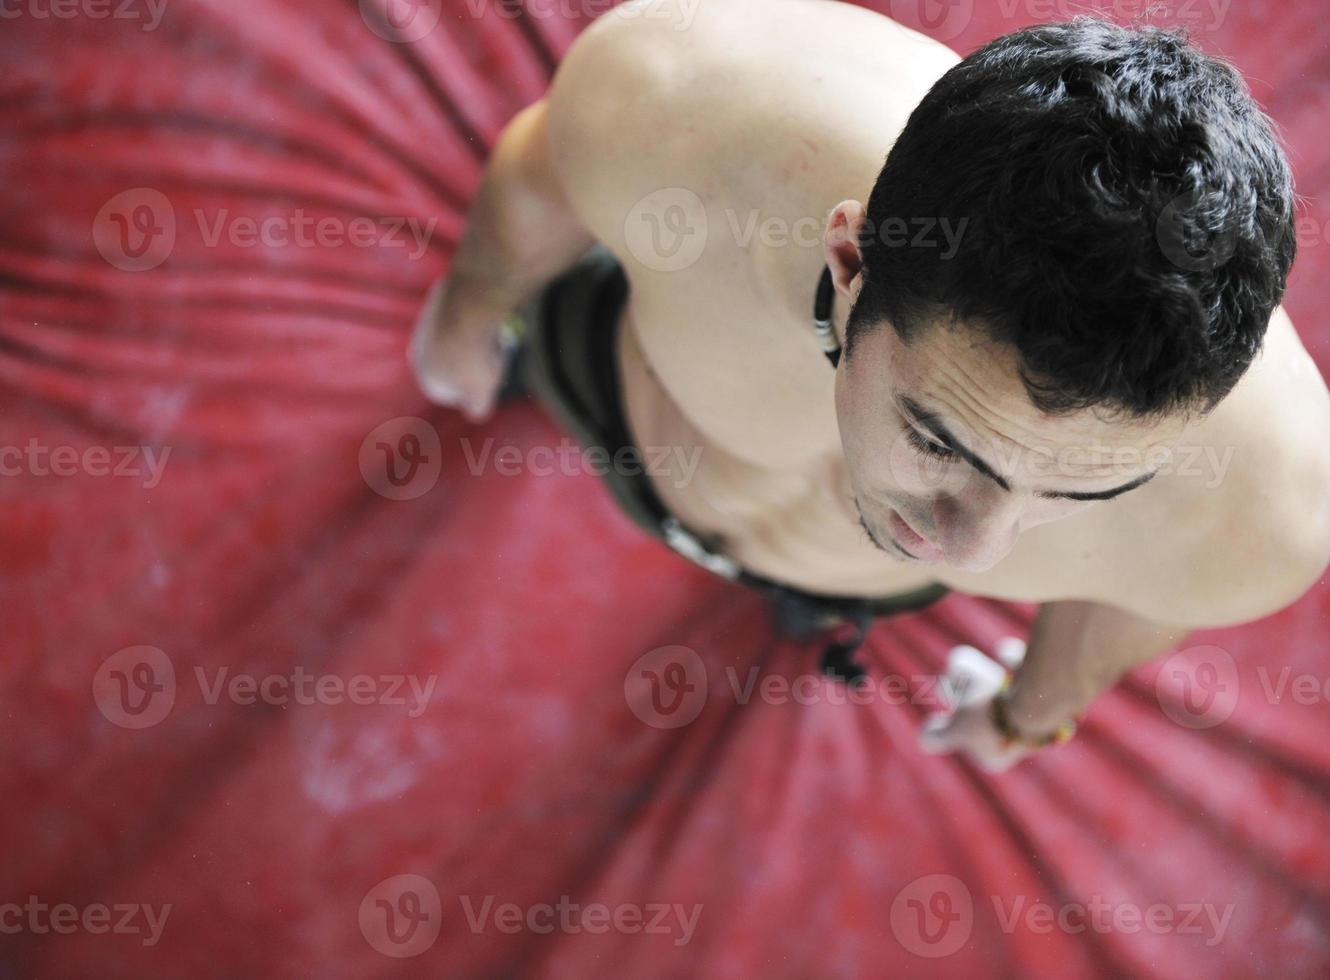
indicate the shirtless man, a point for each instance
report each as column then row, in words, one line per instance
column 1056, row 295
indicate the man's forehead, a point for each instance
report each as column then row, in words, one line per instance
column 974, row 385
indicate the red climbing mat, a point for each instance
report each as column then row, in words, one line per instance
column 537, row 750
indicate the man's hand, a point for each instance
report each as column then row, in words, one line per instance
column 1078, row 649
column 974, row 681
column 521, row 232
column 457, row 355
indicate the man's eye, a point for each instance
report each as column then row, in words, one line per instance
column 927, row 446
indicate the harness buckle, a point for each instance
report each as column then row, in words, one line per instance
column 690, row 546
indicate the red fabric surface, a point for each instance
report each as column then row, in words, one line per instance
column 814, row 836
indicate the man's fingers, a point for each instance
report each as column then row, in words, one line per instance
column 1010, row 651
column 937, row 734
column 435, row 385
column 479, row 408
column 457, row 364
column 997, row 763
column 970, row 676
column 441, row 385
column 460, row 373
column 962, row 732
column 426, row 356
column 429, row 322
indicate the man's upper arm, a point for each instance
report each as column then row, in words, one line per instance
column 619, row 111
column 1243, row 570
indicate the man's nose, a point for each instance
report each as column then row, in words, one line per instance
column 981, row 524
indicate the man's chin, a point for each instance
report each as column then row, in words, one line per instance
column 974, row 564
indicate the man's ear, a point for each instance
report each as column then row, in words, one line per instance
column 840, row 244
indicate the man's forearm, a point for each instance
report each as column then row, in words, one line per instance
column 521, row 230
column 1076, row 651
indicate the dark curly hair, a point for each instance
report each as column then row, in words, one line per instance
column 1127, row 216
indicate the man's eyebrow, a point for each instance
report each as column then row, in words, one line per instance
column 938, row 430
column 1097, row 494
column 930, row 421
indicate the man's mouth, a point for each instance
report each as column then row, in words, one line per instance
column 910, row 542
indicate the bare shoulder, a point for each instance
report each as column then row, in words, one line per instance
column 1244, row 519
column 623, row 101
column 688, row 40
column 710, row 94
